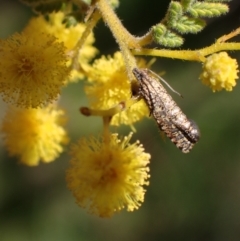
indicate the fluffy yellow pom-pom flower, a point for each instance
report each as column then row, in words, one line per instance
column 34, row 135
column 32, row 69
column 220, row 72
column 109, row 85
column 107, row 175
column 68, row 35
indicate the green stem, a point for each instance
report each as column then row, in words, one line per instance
column 89, row 27
column 124, row 39
column 191, row 55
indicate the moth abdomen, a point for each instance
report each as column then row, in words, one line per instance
column 183, row 132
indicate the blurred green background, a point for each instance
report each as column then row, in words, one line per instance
column 191, row 197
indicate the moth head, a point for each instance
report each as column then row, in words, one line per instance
column 195, row 132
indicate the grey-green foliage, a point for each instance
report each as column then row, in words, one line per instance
column 165, row 37
column 187, row 16
column 188, row 25
column 186, row 3
column 181, row 22
column 207, row 10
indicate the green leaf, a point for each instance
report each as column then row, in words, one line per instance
column 187, row 3
column 175, row 11
column 45, row 6
column 203, row 9
column 188, row 25
column 165, row 37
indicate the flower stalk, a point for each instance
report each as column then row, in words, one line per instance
column 76, row 50
column 124, row 39
column 191, row 55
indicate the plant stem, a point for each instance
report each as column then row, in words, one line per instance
column 89, row 27
column 124, row 39
column 191, row 55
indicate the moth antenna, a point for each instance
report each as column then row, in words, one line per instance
column 165, row 82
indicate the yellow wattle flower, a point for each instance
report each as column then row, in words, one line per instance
column 109, row 85
column 32, row 69
column 69, row 36
column 108, row 174
column 34, row 135
column 220, row 72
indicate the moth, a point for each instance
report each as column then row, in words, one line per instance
column 184, row 133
